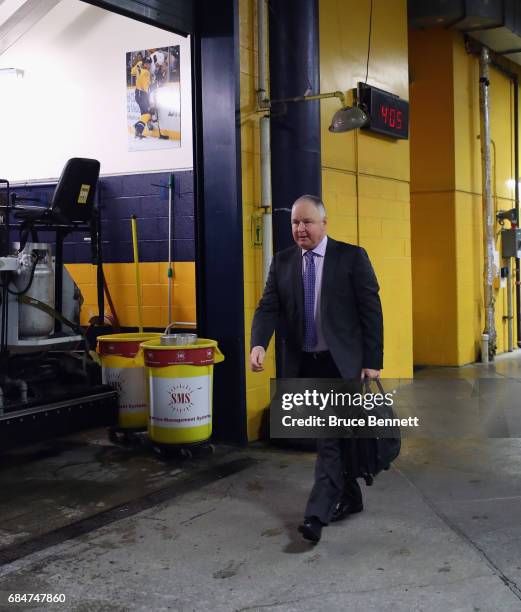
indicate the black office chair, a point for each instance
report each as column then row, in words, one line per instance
column 73, row 198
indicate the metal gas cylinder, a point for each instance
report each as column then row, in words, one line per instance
column 34, row 323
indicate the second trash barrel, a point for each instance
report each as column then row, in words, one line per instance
column 123, row 369
column 179, row 385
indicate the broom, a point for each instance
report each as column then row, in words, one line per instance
column 138, row 277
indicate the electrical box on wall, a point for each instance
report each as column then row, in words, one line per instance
column 511, row 243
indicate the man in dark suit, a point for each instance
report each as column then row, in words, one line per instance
column 322, row 297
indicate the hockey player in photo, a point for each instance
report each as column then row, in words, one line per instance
column 143, row 77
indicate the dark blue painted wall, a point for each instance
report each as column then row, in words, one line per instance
column 146, row 196
column 219, row 265
column 295, row 127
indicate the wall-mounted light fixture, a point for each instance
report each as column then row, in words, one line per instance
column 11, row 73
column 348, row 118
column 345, row 119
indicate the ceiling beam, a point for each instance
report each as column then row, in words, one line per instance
column 22, row 20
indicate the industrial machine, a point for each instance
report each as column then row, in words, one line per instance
column 48, row 381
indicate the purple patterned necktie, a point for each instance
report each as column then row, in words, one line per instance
column 310, row 329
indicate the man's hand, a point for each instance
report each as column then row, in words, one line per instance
column 367, row 372
column 257, row 359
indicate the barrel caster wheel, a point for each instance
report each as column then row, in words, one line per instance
column 159, row 451
column 128, row 439
column 208, row 449
column 166, row 453
column 186, row 453
column 144, row 441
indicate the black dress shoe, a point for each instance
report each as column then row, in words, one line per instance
column 344, row 508
column 351, row 501
column 311, row 529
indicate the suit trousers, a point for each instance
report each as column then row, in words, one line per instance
column 332, row 482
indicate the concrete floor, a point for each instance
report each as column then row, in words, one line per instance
column 121, row 529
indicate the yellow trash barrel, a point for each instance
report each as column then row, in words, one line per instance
column 179, row 390
column 122, row 368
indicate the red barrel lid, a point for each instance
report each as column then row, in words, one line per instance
column 179, row 356
column 120, row 349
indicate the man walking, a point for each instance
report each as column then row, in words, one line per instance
column 322, row 295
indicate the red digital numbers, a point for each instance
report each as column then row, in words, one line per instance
column 391, row 116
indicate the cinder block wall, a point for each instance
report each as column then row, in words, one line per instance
column 146, row 196
column 365, row 178
column 446, row 196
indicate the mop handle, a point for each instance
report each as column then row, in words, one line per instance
column 170, row 219
column 138, row 277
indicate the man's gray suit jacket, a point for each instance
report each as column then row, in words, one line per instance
column 351, row 312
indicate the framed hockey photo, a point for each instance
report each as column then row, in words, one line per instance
column 153, row 99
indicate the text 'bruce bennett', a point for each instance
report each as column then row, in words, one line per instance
column 334, row 421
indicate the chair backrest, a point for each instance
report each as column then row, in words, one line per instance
column 73, row 198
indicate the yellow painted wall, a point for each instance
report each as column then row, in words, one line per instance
column 369, row 207
column 121, row 281
column 257, row 384
column 365, row 177
column 432, row 197
column 446, row 211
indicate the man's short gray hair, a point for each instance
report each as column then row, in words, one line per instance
column 316, row 201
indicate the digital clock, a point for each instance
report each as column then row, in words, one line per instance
column 388, row 114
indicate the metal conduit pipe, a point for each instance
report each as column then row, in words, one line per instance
column 515, row 80
column 509, row 316
column 267, row 230
column 488, row 211
column 509, row 306
column 265, row 145
column 262, row 79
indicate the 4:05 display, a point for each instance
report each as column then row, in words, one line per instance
column 388, row 113
column 391, row 116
